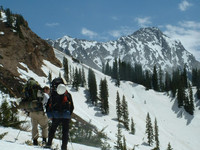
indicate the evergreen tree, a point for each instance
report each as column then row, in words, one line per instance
column 149, row 130
column 5, row 113
column 147, row 80
column 50, row 77
column 191, row 101
column 138, row 74
column 19, row 22
column 167, row 82
column 75, row 83
column 124, row 143
column 92, row 85
column 115, row 69
column 118, row 143
column 66, row 69
column 156, row 135
column 194, row 77
column 169, row 147
column 175, row 82
column 125, row 114
column 83, row 81
column 155, row 79
column 118, row 107
column 184, row 77
column 161, row 85
column 115, row 73
column 107, row 69
column 9, row 17
column 104, row 96
column 8, row 116
column 198, row 93
column 132, row 126
column 186, row 103
column 79, row 76
column 181, row 94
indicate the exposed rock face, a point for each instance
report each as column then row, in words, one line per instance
column 27, row 48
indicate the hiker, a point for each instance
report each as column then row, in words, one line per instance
column 32, row 103
column 40, row 117
column 59, row 108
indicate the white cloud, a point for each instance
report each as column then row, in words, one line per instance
column 89, row 33
column 184, row 5
column 188, row 32
column 124, row 30
column 143, row 22
column 115, row 18
column 53, row 24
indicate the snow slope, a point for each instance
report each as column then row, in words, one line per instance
column 175, row 125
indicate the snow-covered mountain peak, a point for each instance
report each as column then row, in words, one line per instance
column 147, row 46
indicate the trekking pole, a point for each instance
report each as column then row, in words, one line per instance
column 20, row 130
column 71, row 141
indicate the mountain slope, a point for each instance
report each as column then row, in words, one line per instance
column 147, row 46
column 174, row 124
column 20, row 45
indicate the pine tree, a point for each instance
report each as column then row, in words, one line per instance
column 75, row 83
column 124, row 143
column 118, row 143
column 175, row 82
column 156, row 135
column 9, row 17
column 104, row 96
column 149, row 130
column 8, row 116
column 125, row 113
column 107, row 69
column 169, row 147
column 50, row 77
column 92, row 85
column 184, row 77
column 167, row 82
column 132, row 126
column 198, row 92
column 191, row 100
column 181, row 94
column 155, row 79
column 194, row 77
column 161, row 85
column 118, row 107
column 19, row 22
column 66, row 69
column 115, row 69
column 115, row 73
column 5, row 113
column 147, row 80
column 83, row 81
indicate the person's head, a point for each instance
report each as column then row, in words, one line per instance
column 46, row 89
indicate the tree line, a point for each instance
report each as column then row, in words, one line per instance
column 178, row 82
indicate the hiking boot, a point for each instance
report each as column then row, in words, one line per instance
column 35, row 142
column 47, row 146
column 44, row 140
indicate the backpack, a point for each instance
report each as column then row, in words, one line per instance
column 58, row 106
column 32, row 96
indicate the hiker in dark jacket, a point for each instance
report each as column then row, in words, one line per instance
column 60, row 108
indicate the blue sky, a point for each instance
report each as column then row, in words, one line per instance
column 104, row 20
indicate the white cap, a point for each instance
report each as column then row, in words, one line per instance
column 61, row 89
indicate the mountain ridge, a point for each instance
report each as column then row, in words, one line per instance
column 147, row 46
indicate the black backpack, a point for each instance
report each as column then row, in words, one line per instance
column 56, row 102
